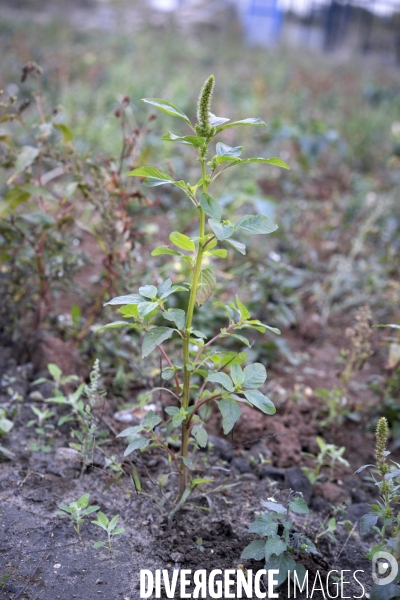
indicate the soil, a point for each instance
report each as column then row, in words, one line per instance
column 45, row 559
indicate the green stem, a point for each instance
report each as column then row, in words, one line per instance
column 185, row 428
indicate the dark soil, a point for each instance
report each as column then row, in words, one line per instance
column 45, row 560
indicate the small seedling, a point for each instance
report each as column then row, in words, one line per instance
column 327, row 529
column 58, row 378
column 282, row 542
column 110, row 526
column 329, row 455
column 78, row 510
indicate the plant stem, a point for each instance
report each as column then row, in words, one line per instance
column 186, row 354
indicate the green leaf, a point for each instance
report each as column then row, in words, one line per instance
column 256, row 224
column 269, row 161
column 274, row 545
column 12, row 199
column 5, row 425
column 118, row 531
column 149, row 291
column 219, row 252
column 249, row 121
column 176, row 315
column 254, row 551
column 254, row 375
column 224, row 150
column 65, row 131
column 205, row 287
column 367, row 522
column 167, row 373
column 301, row 573
column 230, row 414
column 154, row 338
column 210, row 207
column 83, row 501
column 237, row 375
column 217, row 121
column 167, row 107
column 99, row 544
column 153, row 176
column 264, row 526
column 160, row 250
column 274, row 506
column 223, row 379
column 150, row 420
column 200, row 435
column 138, row 444
column 25, row 159
column 282, row 563
column 130, row 431
column 299, row 506
column 54, row 371
column 130, row 299
column 222, row 232
column 146, row 308
column 172, row 290
column 164, row 287
column 113, row 523
column 237, row 245
column 190, row 140
column 114, row 325
column 102, row 519
column 182, row 241
column 257, row 399
column 244, row 313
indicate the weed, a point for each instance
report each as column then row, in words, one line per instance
column 110, row 527
column 200, row 367
column 389, row 486
column 328, row 455
column 77, row 511
column 282, row 541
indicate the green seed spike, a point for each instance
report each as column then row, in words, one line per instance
column 381, row 435
column 204, row 105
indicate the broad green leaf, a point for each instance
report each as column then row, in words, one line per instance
column 257, row 399
column 130, row 431
column 210, row 207
column 190, row 140
column 13, row 198
column 176, row 315
column 217, row 121
column 244, row 313
column 367, row 522
column 249, row 121
column 182, row 241
column 256, row 224
column 301, row 573
column 299, row 506
column 114, row 325
column 222, row 232
column 130, row 299
column 167, row 373
column 178, row 419
column 103, row 520
column 99, row 544
column 254, row 551
column 25, row 159
column 54, row 371
column 118, row 531
column 5, row 425
column 220, row 252
column 160, row 250
column 150, row 420
column 224, row 150
column 256, row 324
column 274, row 506
column 145, row 308
column 138, row 444
column 255, row 375
column 164, row 287
column 268, row 161
column 237, row 375
column 282, row 563
column 237, row 245
column 167, row 107
column 274, row 545
column 83, row 501
column 148, row 291
column 154, row 338
column 200, row 435
column 65, row 132
column 241, row 338
column 223, row 379
column 172, row 290
column 230, row 414
column 153, row 176
column 265, row 525
column 130, row 311
column 206, row 286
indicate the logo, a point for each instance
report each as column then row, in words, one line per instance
column 384, row 564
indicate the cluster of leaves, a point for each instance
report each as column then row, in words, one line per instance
column 199, row 377
column 328, row 455
column 52, row 197
column 282, row 543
